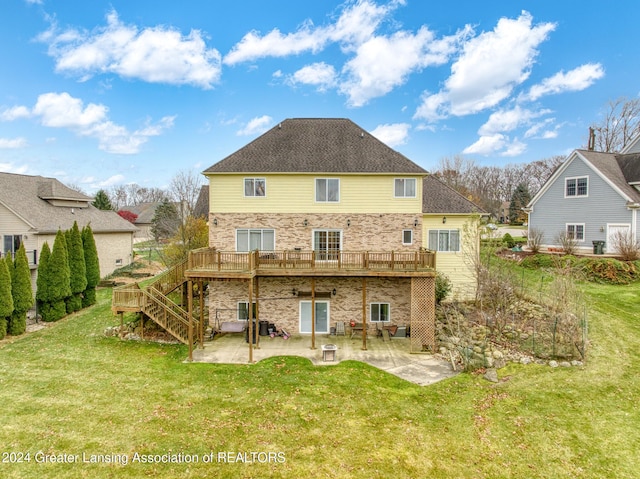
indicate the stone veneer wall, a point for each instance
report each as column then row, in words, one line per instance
column 278, row 305
column 366, row 232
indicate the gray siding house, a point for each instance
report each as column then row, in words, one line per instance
column 592, row 196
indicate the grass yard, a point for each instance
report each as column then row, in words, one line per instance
column 69, row 390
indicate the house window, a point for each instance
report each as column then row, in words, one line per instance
column 444, row 240
column 119, row 262
column 328, row 190
column 575, row 232
column 380, row 313
column 575, row 187
column 243, row 310
column 255, row 187
column 407, row 236
column 327, row 244
column 405, row 188
column 12, row 244
column 252, row 239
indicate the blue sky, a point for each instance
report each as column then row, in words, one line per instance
column 100, row 93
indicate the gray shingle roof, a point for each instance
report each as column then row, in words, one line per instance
column 25, row 196
column 611, row 166
column 145, row 211
column 438, row 198
column 316, row 145
column 201, row 209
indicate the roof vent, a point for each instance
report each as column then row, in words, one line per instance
column 279, row 126
column 361, row 134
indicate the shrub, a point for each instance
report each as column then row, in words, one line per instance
column 22, row 293
column 92, row 266
column 609, row 270
column 569, row 243
column 77, row 269
column 624, row 243
column 535, row 238
column 6, row 300
column 538, row 261
column 508, row 240
column 443, row 287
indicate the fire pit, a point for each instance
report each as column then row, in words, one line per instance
column 329, row 352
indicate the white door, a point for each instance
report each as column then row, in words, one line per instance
column 616, row 233
column 322, row 317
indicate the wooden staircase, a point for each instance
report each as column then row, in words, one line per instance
column 153, row 300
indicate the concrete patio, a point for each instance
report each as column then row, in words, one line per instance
column 392, row 356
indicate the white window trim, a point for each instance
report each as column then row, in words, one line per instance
column 411, row 232
column 576, row 178
column 244, row 191
column 256, row 229
column 415, row 188
column 313, row 238
column 315, row 189
column 371, row 312
column 584, row 231
column 449, row 250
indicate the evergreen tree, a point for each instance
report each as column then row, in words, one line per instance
column 165, row 221
column 519, row 200
column 6, row 300
column 77, row 269
column 59, row 277
column 92, row 266
column 8, row 259
column 22, row 293
column 102, row 201
column 43, row 290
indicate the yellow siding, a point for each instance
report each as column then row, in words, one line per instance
column 457, row 266
column 296, row 194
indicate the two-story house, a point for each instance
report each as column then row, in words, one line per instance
column 34, row 208
column 592, row 196
column 341, row 229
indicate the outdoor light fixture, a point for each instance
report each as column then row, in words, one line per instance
column 215, row 221
column 444, row 219
column 348, row 223
column 334, row 291
column 415, row 223
column 602, row 229
column 294, row 291
column 305, row 223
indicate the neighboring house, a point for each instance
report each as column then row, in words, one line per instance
column 343, row 220
column 592, row 196
column 145, row 213
column 34, row 208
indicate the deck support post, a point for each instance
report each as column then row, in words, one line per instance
column 141, row 325
column 257, row 312
column 313, row 313
column 364, row 313
column 201, row 298
column 250, row 317
column 190, row 311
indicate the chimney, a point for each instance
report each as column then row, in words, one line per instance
column 592, row 139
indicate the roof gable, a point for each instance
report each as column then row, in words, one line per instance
column 316, row 145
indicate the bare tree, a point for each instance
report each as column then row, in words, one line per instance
column 133, row 194
column 620, row 124
column 185, row 188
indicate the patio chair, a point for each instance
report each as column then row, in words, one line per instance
column 340, row 328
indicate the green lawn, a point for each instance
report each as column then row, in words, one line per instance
column 69, row 390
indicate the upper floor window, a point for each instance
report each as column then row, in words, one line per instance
column 328, row 190
column 405, row 188
column 252, row 239
column 255, row 187
column 576, row 186
column 407, row 236
column 444, row 240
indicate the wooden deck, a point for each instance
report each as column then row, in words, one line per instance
column 211, row 263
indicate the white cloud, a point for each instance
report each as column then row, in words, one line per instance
column 384, row 62
column 256, row 126
column 15, row 113
column 112, row 180
column 356, row 23
column 486, row 145
column 13, row 143
column 514, row 148
column 157, row 55
column 488, row 69
column 319, row 74
column 574, row 80
column 508, row 120
column 61, row 110
column 392, row 134
column 11, row 168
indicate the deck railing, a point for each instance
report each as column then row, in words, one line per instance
column 213, row 260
